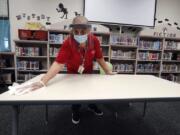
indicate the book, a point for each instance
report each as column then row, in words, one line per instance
column 171, row 68
column 28, row 65
column 123, row 67
column 119, row 54
column 56, row 38
column 148, row 56
column 171, row 45
column 150, row 45
column 123, row 40
column 53, row 51
column 28, row 51
column 148, row 67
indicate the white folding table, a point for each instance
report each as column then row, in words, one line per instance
column 91, row 88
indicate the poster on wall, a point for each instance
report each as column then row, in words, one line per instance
column 46, row 12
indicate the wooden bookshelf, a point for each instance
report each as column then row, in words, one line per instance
column 162, row 51
column 48, row 52
column 50, row 49
column 31, row 58
column 31, row 41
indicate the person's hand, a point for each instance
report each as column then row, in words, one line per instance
column 111, row 73
column 29, row 88
column 36, row 86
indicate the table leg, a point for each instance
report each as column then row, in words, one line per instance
column 46, row 115
column 15, row 119
column 144, row 109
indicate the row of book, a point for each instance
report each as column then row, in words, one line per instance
column 148, row 67
column 172, row 45
column 171, row 68
column 119, row 54
column 123, row 67
column 123, row 40
column 172, row 77
column 57, row 38
column 25, row 77
column 151, row 45
column 53, row 51
column 28, row 51
column 171, row 56
column 148, row 56
column 28, row 65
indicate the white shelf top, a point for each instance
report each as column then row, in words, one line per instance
column 32, row 70
column 153, row 50
column 165, row 72
column 175, row 61
column 7, row 53
column 125, row 72
column 173, row 50
column 7, row 68
column 32, row 56
column 70, row 88
column 123, row 46
column 31, row 41
column 121, row 59
column 138, row 72
column 52, row 56
column 148, row 60
column 51, row 43
column 104, row 45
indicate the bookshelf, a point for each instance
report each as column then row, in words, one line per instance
column 123, row 52
column 171, row 59
column 34, row 57
column 149, row 55
column 7, row 68
column 165, row 53
column 31, row 58
column 128, row 54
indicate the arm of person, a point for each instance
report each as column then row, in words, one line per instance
column 105, row 67
column 54, row 69
column 100, row 59
column 58, row 64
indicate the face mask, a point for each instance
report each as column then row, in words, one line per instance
column 81, row 38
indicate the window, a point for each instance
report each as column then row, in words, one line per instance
column 4, row 26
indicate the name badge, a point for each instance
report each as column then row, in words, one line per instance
column 81, row 69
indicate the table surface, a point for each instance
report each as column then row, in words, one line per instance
column 74, row 87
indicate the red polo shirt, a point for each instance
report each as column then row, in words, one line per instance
column 72, row 55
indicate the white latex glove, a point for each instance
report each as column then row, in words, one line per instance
column 25, row 88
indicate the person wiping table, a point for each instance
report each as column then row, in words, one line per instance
column 78, row 52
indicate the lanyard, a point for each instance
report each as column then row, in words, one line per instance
column 83, row 56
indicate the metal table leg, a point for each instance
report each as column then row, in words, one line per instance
column 46, row 115
column 144, row 109
column 15, row 119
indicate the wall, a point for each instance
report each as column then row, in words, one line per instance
column 168, row 9
column 46, row 7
